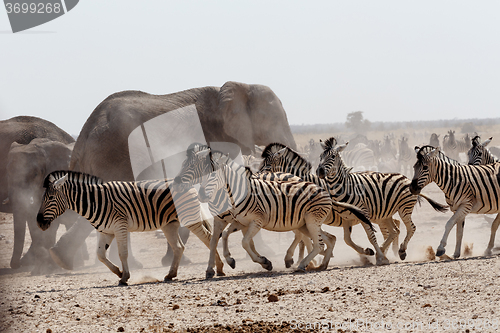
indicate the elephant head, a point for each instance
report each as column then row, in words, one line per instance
column 27, row 166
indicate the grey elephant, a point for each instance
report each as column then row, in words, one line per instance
column 21, row 131
column 27, row 166
column 244, row 114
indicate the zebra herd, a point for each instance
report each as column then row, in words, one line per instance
column 284, row 194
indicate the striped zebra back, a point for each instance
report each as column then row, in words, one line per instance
column 427, row 149
column 361, row 158
column 478, row 154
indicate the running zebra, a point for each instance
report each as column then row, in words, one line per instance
column 361, row 158
column 273, row 205
column 117, row 207
column 405, row 157
column 280, row 158
column 380, row 195
column 478, row 154
column 453, row 147
column 467, row 188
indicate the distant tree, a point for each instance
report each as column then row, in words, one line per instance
column 356, row 122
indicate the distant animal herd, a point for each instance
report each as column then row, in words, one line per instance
column 274, row 186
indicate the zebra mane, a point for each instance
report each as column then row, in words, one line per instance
column 476, row 140
column 427, row 149
column 73, row 176
column 194, row 148
column 330, row 143
column 290, row 155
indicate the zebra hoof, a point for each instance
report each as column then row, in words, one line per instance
column 221, row 273
column 369, row 252
column 168, row 278
column 267, row 264
column 209, row 274
column 440, row 252
column 122, row 283
column 383, row 261
column 232, row 263
column 456, row 255
column 300, row 269
column 288, row 263
column 402, row 255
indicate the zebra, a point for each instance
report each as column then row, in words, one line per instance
column 454, row 147
column 380, row 195
column 117, row 207
column 478, row 154
column 272, row 205
column 405, row 156
column 467, row 188
column 361, row 158
column 193, row 169
column 434, row 140
column 278, row 157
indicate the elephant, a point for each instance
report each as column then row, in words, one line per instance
column 240, row 113
column 22, row 130
column 15, row 137
column 27, row 166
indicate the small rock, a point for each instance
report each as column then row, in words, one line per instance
column 426, row 305
column 175, row 306
column 48, row 330
column 325, row 289
column 121, row 329
column 272, row 298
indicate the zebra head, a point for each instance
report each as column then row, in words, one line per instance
column 330, row 160
column 478, row 154
column 423, row 168
column 193, row 168
column 216, row 180
column 54, row 201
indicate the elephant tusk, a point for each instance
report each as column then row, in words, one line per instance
column 6, row 201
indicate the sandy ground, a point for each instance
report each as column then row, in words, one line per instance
column 419, row 294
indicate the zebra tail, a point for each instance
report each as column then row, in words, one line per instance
column 436, row 205
column 357, row 212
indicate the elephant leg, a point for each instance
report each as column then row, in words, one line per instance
column 64, row 250
column 19, row 236
column 168, row 257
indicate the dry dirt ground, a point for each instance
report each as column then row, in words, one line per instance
column 419, row 294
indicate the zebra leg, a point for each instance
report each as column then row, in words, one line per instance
column 391, row 231
column 459, row 215
column 330, row 241
column 291, row 249
column 348, row 240
column 171, row 232
column 122, row 244
column 460, row 234
column 233, row 227
column 410, row 230
column 205, row 235
column 104, row 240
column 251, row 231
column 491, row 243
column 219, row 225
column 380, row 257
column 313, row 229
column 396, row 225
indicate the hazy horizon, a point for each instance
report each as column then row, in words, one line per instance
column 395, row 61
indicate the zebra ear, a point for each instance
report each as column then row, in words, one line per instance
column 323, row 146
column 433, row 152
column 487, row 142
column 417, row 149
column 342, row 147
column 60, row 182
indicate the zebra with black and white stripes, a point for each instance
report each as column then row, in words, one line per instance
column 280, row 158
column 478, row 154
column 453, row 147
column 406, row 156
column 361, row 158
column 467, row 188
column 272, row 205
column 117, row 207
column 380, row 195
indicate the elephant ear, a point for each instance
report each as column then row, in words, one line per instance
column 233, row 106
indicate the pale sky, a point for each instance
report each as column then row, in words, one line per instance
column 394, row 60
